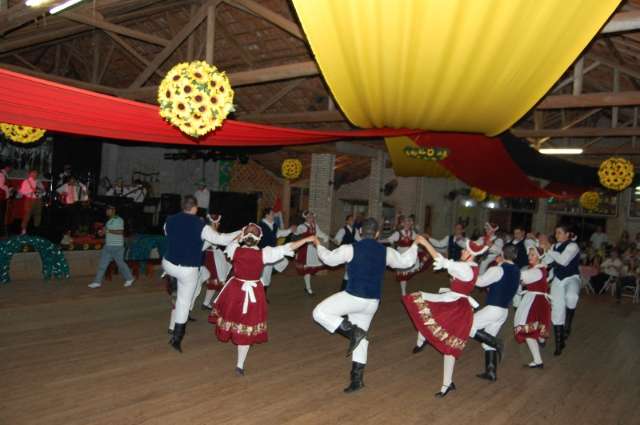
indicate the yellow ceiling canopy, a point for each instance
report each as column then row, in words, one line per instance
column 446, row 65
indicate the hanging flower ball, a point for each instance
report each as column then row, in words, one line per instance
column 21, row 133
column 291, row 168
column 195, row 97
column 616, row 173
column 477, row 194
column 590, row 200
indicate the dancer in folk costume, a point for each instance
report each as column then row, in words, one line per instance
column 307, row 261
column 185, row 233
column 451, row 245
column 564, row 259
column 532, row 321
column 502, row 281
column 241, row 307
column 366, row 261
column 346, row 235
column 403, row 239
column 444, row 320
column 271, row 231
column 495, row 246
column 216, row 263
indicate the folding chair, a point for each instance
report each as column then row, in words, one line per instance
column 585, row 276
column 610, row 284
column 632, row 291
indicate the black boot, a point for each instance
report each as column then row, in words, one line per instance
column 558, row 331
column 490, row 366
column 343, row 286
column 178, row 334
column 492, row 341
column 357, row 373
column 568, row 321
column 419, row 348
column 353, row 332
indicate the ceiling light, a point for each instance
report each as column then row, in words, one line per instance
column 67, row 4
column 36, row 3
column 561, row 151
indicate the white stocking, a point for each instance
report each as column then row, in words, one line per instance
column 535, row 350
column 447, row 375
column 307, row 282
column 172, row 320
column 208, row 296
column 243, row 350
column 403, row 288
column 420, row 340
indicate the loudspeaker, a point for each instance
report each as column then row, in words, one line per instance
column 169, row 203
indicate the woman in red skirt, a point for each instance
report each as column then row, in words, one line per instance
column 402, row 239
column 444, row 320
column 217, row 265
column 532, row 320
column 240, row 311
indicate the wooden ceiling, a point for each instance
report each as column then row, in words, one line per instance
column 124, row 47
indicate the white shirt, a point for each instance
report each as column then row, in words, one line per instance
column 203, row 196
column 30, row 187
column 117, row 191
column 302, row 229
column 340, row 234
column 461, row 270
column 491, row 276
column 282, row 233
column 531, row 274
column 270, row 254
column 611, row 266
column 215, row 238
column 73, row 194
column 137, row 193
column 598, row 239
column 344, row 254
column 443, row 244
column 563, row 258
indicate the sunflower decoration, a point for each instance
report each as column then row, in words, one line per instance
column 426, row 153
column 590, row 200
column 195, row 97
column 616, row 173
column 291, row 168
column 21, row 133
column 477, row 194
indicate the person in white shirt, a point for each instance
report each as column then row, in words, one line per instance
column 118, row 189
column 73, row 191
column 610, row 268
column 271, row 232
column 403, row 239
column 5, row 193
column 451, row 245
column 306, row 260
column 31, row 190
column 203, row 196
column 137, row 192
column 366, row 262
column 598, row 238
column 347, row 234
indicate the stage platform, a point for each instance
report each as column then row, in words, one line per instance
column 75, row 356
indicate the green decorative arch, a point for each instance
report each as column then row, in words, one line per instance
column 53, row 262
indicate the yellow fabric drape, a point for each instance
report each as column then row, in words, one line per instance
column 403, row 166
column 447, row 65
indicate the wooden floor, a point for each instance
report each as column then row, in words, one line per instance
column 72, row 355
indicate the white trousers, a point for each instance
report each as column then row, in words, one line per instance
column 564, row 294
column 359, row 311
column 490, row 318
column 187, row 288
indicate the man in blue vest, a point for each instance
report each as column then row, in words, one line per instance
column 346, row 236
column 503, row 282
column 519, row 242
column 451, row 245
column 270, row 234
column 564, row 259
column 366, row 262
column 185, row 233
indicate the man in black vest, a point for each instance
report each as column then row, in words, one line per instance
column 346, row 236
column 185, row 233
column 270, row 234
column 503, row 282
column 520, row 244
column 451, row 245
column 366, row 262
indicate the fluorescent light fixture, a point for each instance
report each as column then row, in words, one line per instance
column 67, row 4
column 561, row 151
column 36, row 3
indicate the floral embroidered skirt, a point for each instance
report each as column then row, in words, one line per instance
column 538, row 322
column 231, row 323
column 445, row 324
column 423, row 263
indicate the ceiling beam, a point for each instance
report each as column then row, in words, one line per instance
column 612, row 63
column 269, row 15
column 295, row 117
column 569, row 125
column 578, row 132
column 591, row 100
column 99, row 22
column 286, row 89
column 622, row 21
column 132, row 51
column 238, row 48
column 569, row 79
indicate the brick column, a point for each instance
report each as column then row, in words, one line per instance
column 375, row 186
column 420, row 202
column 321, row 189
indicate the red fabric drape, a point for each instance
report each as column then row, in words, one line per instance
column 44, row 104
column 482, row 162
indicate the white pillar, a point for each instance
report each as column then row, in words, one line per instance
column 420, row 202
column 375, row 186
column 321, row 189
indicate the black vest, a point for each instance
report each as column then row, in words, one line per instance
column 522, row 259
column 184, row 240
column 454, row 252
column 502, row 292
column 571, row 269
column 269, row 236
column 366, row 269
column 349, row 236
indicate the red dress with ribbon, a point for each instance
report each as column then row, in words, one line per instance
column 444, row 319
column 536, row 308
column 301, row 255
column 210, row 263
column 240, row 311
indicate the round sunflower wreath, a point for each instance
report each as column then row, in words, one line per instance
column 21, row 133
column 478, row 194
column 590, row 200
column 291, row 168
column 616, row 173
column 195, row 97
